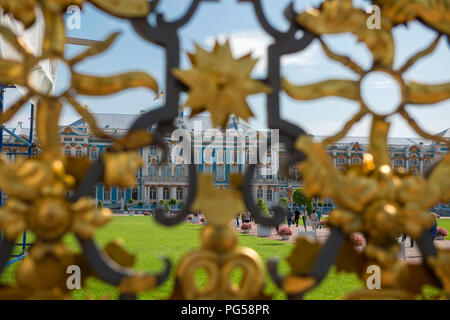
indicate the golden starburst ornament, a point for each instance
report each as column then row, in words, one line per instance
column 219, row 83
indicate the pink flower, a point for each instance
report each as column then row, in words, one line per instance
column 357, row 239
column 284, row 231
column 246, row 226
column 441, row 232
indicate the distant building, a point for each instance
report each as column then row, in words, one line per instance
column 170, row 180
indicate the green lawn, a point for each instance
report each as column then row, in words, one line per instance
column 445, row 223
column 148, row 240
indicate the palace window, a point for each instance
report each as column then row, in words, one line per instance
column 120, row 194
column 153, row 151
column 78, row 153
column 179, row 193
column 107, row 193
column 268, row 173
column 356, row 160
column 259, row 194
column 93, row 154
column 295, row 173
column 234, row 169
column 220, row 156
column 166, row 193
column 153, row 170
column 340, row 160
column 258, row 172
column 413, row 162
column 207, row 155
column 179, row 171
column 220, row 173
column 166, row 171
column 426, row 162
column 269, row 195
column 398, row 162
column 152, row 193
column 67, row 152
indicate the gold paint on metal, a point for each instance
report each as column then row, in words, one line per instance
column 219, row 83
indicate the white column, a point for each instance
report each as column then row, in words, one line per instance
column 159, row 195
column 173, row 192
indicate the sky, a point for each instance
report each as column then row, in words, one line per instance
column 236, row 21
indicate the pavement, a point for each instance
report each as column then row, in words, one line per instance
column 412, row 254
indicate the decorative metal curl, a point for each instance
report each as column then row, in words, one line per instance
column 285, row 43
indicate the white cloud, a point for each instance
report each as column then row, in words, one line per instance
column 256, row 41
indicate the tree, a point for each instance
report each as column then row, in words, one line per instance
column 261, row 205
column 283, row 202
column 300, row 198
column 309, row 207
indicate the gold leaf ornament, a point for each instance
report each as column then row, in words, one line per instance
column 121, row 167
column 219, row 83
column 219, row 206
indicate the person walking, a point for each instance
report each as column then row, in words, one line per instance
column 289, row 217
column 314, row 220
column 319, row 214
column 304, row 217
column 297, row 216
column 411, row 240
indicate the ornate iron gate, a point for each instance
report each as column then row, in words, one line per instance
column 372, row 198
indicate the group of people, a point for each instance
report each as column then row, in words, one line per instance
column 432, row 231
column 294, row 217
column 245, row 217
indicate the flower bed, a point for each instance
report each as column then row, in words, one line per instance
column 246, row 227
column 441, row 233
column 357, row 239
column 284, row 232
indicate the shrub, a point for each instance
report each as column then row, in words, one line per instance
column 283, row 202
column 246, row 226
column 261, row 205
column 140, row 204
column 100, row 204
column 441, row 232
column 173, row 202
column 320, row 204
column 154, row 203
column 190, row 217
column 284, row 231
column 357, row 239
column 125, row 208
column 131, row 200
